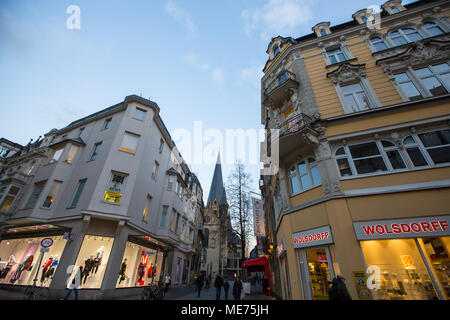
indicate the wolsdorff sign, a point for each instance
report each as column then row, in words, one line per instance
column 314, row 237
column 405, row 228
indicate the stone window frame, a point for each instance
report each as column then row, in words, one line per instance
column 333, row 45
column 408, row 25
column 348, row 74
column 309, row 167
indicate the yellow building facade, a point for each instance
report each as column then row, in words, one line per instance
column 358, row 117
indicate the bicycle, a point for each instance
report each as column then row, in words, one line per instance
column 153, row 292
column 36, row 293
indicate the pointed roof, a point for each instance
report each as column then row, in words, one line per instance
column 217, row 190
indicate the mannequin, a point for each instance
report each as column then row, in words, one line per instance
column 22, row 267
column 98, row 258
column 51, row 270
column 150, row 271
column 123, row 268
column 141, row 271
column 88, row 266
column 45, row 268
column 9, row 265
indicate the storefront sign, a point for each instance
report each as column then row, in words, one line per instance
column 315, row 237
column 404, row 228
column 47, row 242
column 361, row 285
column 258, row 217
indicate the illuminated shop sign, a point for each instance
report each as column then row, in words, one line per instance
column 404, row 228
column 315, row 237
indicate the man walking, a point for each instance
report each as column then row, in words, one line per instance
column 237, row 289
column 338, row 290
column 226, row 286
column 218, row 285
column 199, row 284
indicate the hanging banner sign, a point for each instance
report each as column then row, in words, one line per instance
column 258, row 217
column 314, row 237
column 403, row 228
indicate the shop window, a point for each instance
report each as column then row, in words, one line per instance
column 404, row 275
column 78, row 192
column 141, row 266
column 115, row 188
column 405, row 35
column 8, row 199
column 20, row 259
column 38, row 187
column 378, row 44
column 437, row 251
column 56, row 155
column 319, row 273
column 305, row 175
column 130, row 142
column 93, row 258
column 51, row 196
column 139, row 114
column 95, row 151
column 146, row 210
column 162, row 223
column 433, row 28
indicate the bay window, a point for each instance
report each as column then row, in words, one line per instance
column 38, row 187
column 7, row 196
column 130, row 142
column 52, row 194
column 56, row 154
column 305, row 175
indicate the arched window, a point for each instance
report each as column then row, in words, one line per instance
column 378, row 43
column 405, row 35
column 305, row 175
column 433, row 28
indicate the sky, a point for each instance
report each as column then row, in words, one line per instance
column 199, row 60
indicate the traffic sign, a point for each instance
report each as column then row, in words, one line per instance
column 46, row 242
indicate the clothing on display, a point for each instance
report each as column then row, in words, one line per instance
column 123, row 269
column 9, row 265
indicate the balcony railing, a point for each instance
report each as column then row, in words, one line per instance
column 284, row 79
column 294, row 124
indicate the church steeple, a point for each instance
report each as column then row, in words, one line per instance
column 217, row 190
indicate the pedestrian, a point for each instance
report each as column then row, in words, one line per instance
column 338, row 290
column 199, row 284
column 265, row 285
column 218, row 285
column 226, row 286
column 74, row 287
column 167, row 282
column 237, row 289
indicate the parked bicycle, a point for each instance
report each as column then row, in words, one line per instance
column 36, row 293
column 153, row 292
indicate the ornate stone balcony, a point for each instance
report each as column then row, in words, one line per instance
column 279, row 89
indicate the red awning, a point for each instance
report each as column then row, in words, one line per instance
column 259, row 263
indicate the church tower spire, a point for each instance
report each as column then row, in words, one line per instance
column 217, row 190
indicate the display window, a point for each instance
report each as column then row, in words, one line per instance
column 93, row 259
column 437, row 251
column 403, row 273
column 319, row 272
column 19, row 261
column 141, row 266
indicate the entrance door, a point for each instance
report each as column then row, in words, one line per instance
column 319, row 272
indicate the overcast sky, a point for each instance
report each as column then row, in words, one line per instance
column 199, row 60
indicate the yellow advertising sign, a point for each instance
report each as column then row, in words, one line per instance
column 408, row 262
column 360, row 278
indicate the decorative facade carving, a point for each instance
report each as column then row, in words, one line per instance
column 347, row 72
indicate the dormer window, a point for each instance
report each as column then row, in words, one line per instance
column 364, row 19
column 276, row 51
column 395, row 10
column 323, row 32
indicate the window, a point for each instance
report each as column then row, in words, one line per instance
column 162, row 223
column 355, row 97
column 170, row 183
column 30, row 168
column 395, row 9
column 323, row 32
column 56, row 154
column 276, row 51
column 146, row 208
column 78, row 192
column 8, row 200
column 130, row 142
column 107, row 124
column 4, row 152
column 367, row 158
column 305, row 175
column 172, row 220
column 51, row 196
column 115, row 188
column 435, row 78
column 80, row 133
column 414, row 152
column 364, row 19
column 433, row 28
column 403, row 36
column 343, row 164
column 393, row 155
column 139, row 114
column 378, row 44
column 407, row 86
column 155, row 170
column 336, row 55
column 38, row 187
column 96, row 151
column 71, row 154
column 437, row 144
column 177, row 222
column 161, row 145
